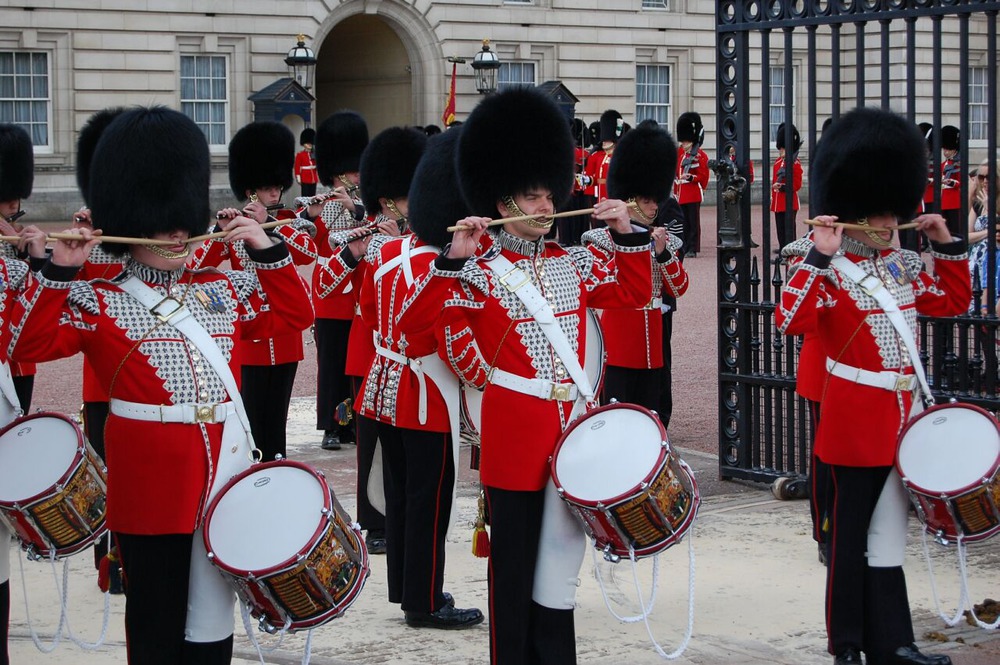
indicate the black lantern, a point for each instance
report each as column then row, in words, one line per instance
column 486, row 65
column 301, row 63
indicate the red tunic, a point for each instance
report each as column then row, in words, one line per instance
column 332, row 300
column 158, row 474
column 693, row 191
column 520, row 432
column 305, row 168
column 597, row 168
column 778, row 196
column 297, row 235
column 633, row 338
column 860, row 424
column 99, row 265
column 951, row 193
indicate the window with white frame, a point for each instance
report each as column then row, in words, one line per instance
column 656, row 4
column 25, row 93
column 780, row 95
column 514, row 74
column 205, row 95
column 978, row 104
column 652, row 93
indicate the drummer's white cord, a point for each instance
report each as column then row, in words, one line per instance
column 86, row 646
column 27, row 613
column 607, row 601
column 964, row 600
column 252, row 634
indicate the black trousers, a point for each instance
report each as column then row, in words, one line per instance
column 24, row 387
column 333, row 386
column 4, row 621
column 366, row 433
column 266, row 392
column 692, row 228
column 635, row 386
column 522, row 632
column 95, row 414
column 820, row 489
column 419, row 473
column 308, row 189
column 666, row 402
column 157, row 569
column 784, row 226
column 866, row 608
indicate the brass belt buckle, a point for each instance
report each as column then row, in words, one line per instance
column 205, row 413
column 904, row 383
column 164, row 317
column 560, row 392
column 510, row 275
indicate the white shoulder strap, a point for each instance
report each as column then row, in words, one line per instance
column 514, row 279
column 10, row 406
column 874, row 287
column 180, row 318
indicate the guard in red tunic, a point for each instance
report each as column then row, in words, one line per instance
column 387, row 167
column 612, row 128
column 167, row 344
column 692, row 178
column 16, row 180
column 641, row 174
column 260, row 171
column 869, row 169
column 783, row 181
column 305, row 163
column 340, row 140
column 951, row 178
column 529, row 398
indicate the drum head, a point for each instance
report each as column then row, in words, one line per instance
column 608, row 453
column 35, row 453
column 594, row 360
column 949, row 448
column 267, row 517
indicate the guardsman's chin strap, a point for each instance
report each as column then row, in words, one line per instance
column 540, row 222
column 875, row 236
column 401, row 219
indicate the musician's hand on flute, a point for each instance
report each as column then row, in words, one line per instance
column 465, row 241
column 615, row 213
column 359, row 247
column 82, row 218
column 256, row 211
column 248, row 230
column 826, row 235
column 389, row 227
column 935, row 227
column 74, row 252
column 33, row 241
column 659, row 235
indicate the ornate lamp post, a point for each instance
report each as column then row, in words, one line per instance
column 301, row 63
column 486, row 65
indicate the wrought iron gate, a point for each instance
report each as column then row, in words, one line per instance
column 932, row 60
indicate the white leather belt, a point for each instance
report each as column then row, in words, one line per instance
column 540, row 388
column 418, row 371
column 892, row 381
column 654, row 303
column 173, row 413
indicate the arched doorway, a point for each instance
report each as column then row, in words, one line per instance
column 363, row 65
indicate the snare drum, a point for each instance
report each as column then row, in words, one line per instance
column 594, row 361
column 53, row 486
column 615, row 469
column 283, row 541
column 948, row 459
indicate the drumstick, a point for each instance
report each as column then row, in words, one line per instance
column 859, row 227
column 524, row 218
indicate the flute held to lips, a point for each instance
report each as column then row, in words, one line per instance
column 274, row 206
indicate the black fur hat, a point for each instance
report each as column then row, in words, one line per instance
column 689, row 127
column 435, row 201
column 643, row 164
column 340, row 140
column 950, row 137
column 612, row 125
column 579, row 130
column 431, row 130
column 869, row 162
column 490, row 169
column 779, row 139
column 261, row 154
column 17, row 163
column 149, row 175
column 90, row 134
column 595, row 133
column 388, row 163
column 927, row 129
column 307, row 135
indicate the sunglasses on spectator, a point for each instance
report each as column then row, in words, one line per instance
column 982, row 176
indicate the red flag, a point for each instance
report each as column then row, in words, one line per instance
column 448, row 116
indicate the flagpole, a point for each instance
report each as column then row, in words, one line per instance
column 448, row 117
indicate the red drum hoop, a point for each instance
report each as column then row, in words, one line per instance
column 630, row 491
column 285, row 544
column 948, row 458
column 53, row 486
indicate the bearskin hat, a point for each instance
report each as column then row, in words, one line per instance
column 612, row 126
column 388, row 163
column 261, row 154
column 579, row 130
column 870, row 162
column 307, row 135
column 927, row 129
column 90, row 134
column 779, row 139
column 340, row 140
column 149, row 175
column 643, row 164
column 489, row 169
column 435, row 200
column 689, row 127
column 950, row 137
column 17, row 163
column 595, row 133
column 431, row 130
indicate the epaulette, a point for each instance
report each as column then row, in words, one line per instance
column 474, row 273
column 378, row 241
column 582, row 258
column 243, row 281
column 83, row 296
column 799, row 247
column 674, row 243
column 17, row 270
column 601, row 238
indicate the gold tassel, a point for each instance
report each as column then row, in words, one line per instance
column 480, row 537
